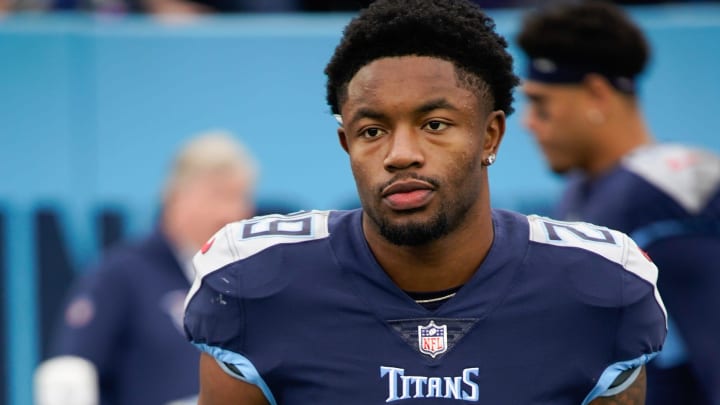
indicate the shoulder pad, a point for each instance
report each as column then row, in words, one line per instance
column 611, row 244
column 690, row 176
column 242, row 239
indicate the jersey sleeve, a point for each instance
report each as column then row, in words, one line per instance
column 215, row 320
column 642, row 324
column 643, row 316
column 615, row 274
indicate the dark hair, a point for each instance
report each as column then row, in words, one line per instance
column 453, row 30
column 588, row 34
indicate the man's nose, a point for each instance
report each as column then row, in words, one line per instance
column 405, row 149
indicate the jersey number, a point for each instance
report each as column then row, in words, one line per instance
column 278, row 227
column 582, row 231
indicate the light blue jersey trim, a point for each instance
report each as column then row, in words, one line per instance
column 655, row 231
column 249, row 373
column 611, row 392
column 612, row 372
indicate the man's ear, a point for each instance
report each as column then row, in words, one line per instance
column 342, row 138
column 494, row 131
column 598, row 88
column 599, row 96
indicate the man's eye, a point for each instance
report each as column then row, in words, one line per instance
column 436, row 125
column 539, row 110
column 371, row 132
column 542, row 113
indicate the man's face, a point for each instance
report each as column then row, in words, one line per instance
column 214, row 199
column 415, row 136
column 556, row 117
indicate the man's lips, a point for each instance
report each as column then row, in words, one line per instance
column 407, row 194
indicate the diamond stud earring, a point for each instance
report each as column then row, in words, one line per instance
column 489, row 160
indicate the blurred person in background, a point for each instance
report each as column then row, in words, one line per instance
column 584, row 111
column 125, row 315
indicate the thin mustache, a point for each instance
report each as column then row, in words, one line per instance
column 428, row 180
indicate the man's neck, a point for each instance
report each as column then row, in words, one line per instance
column 179, row 235
column 439, row 265
column 619, row 138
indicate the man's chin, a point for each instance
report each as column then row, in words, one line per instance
column 560, row 169
column 413, row 233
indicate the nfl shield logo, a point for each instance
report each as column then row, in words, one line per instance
column 432, row 339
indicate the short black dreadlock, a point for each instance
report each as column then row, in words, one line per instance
column 453, row 30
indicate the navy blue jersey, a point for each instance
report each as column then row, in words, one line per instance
column 667, row 198
column 298, row 306
column 126, row 318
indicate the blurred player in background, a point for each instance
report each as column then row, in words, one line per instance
column 425, row 294
column 125, row 316
column 584, row 112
